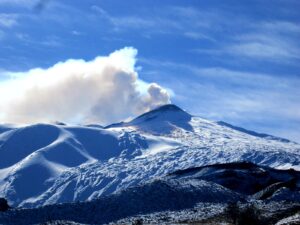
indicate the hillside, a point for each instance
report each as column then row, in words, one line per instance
column 44, row 164
column 192, row 194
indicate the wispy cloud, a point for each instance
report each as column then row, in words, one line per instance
column 257, row 47
column 8, row 20
column 265, row 51
column 185, row 21
column 198, row 36
column 280, row 26
column 123, row 22
column 152, row 24
column 272, row 40
column 52, row 41
column 48, row 41
column 21, row 3
column 237, row 35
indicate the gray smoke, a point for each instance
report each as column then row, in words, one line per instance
column 104, row 90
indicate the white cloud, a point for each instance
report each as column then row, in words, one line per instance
column 103, row 90
column 267, row 45
column 264, row 50
column 8, row 20
column 260, row 46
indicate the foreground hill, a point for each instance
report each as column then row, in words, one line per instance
column 53, row 163
column 184, row 194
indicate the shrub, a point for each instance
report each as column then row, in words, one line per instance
column 3, row 205
column 138, row 222
column 249, row 215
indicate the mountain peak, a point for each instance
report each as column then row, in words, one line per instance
column 168, row 107
column 167, row 112
column 163, row 119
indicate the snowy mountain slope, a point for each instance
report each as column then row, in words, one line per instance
column 46, row 163
column 188, row 191
column 154, row 196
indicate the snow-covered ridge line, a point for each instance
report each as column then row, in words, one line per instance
column 52, row 163
column 253, row 133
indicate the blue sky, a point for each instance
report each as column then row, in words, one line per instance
column 236, row 61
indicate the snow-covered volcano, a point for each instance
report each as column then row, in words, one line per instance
column 45, row 163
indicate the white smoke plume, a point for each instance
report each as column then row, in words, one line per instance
column 104, row 90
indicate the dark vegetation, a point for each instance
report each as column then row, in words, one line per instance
column 248, row 215
column 245, row 177
column 3, row 205
column 251, row 214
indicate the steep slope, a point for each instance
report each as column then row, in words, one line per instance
column 153, row 196
column 50, row 163
column 190, row 191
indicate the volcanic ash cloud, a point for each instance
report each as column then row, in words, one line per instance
column 104, row 90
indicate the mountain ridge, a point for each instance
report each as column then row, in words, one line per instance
column 71, row 163
column 262, row 135
column 190, row 190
